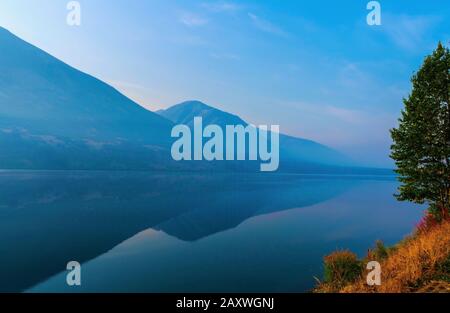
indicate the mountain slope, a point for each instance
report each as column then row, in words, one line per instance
column 54, row 116
column 185, row 112
column 34, row 84
column 294, row 152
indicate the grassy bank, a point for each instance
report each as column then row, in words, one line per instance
column 420, row 263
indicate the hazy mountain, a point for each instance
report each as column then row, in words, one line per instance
column 185, row 112
column 294, row 152
column 54, row 116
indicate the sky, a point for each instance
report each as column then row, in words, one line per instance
column 316, row 68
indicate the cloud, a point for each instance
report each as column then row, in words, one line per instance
column 266, row 26
column 408, row 31
column 352, row 76
column 221, row 6
column 193, row 20
column 346, row 115
column 361, row 133
column 326, row 112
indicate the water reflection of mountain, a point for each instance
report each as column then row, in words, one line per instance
column 50, row 218
column 226, row 209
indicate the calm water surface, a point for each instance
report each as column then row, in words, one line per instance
column 147, row 232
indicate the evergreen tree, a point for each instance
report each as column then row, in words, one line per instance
column 421, row 147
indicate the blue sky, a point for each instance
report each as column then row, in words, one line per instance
column 316, row 68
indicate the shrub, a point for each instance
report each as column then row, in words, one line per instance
column 379, row 253
column 418, row 260
column 443, row 271
column 430, row 221
column 342, row 268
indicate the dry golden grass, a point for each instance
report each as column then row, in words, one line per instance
column 413, row 263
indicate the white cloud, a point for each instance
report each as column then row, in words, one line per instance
column 192, row 20
column 408, row 32
column 352, row 76
column 364, row 135
column 346, row 115
column 350, row 116
column 266, row 26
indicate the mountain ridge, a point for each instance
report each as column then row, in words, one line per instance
column 53, row 116
column 294, row 147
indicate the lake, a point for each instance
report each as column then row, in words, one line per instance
column 184, row 232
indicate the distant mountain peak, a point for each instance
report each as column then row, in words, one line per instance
column 194, row 103
column 194, row 106
column 184, row 113
column 75, row 121
column 298, row 149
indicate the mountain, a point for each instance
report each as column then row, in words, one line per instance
column 295, row 153
column 55, row 117
column 185, row 112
